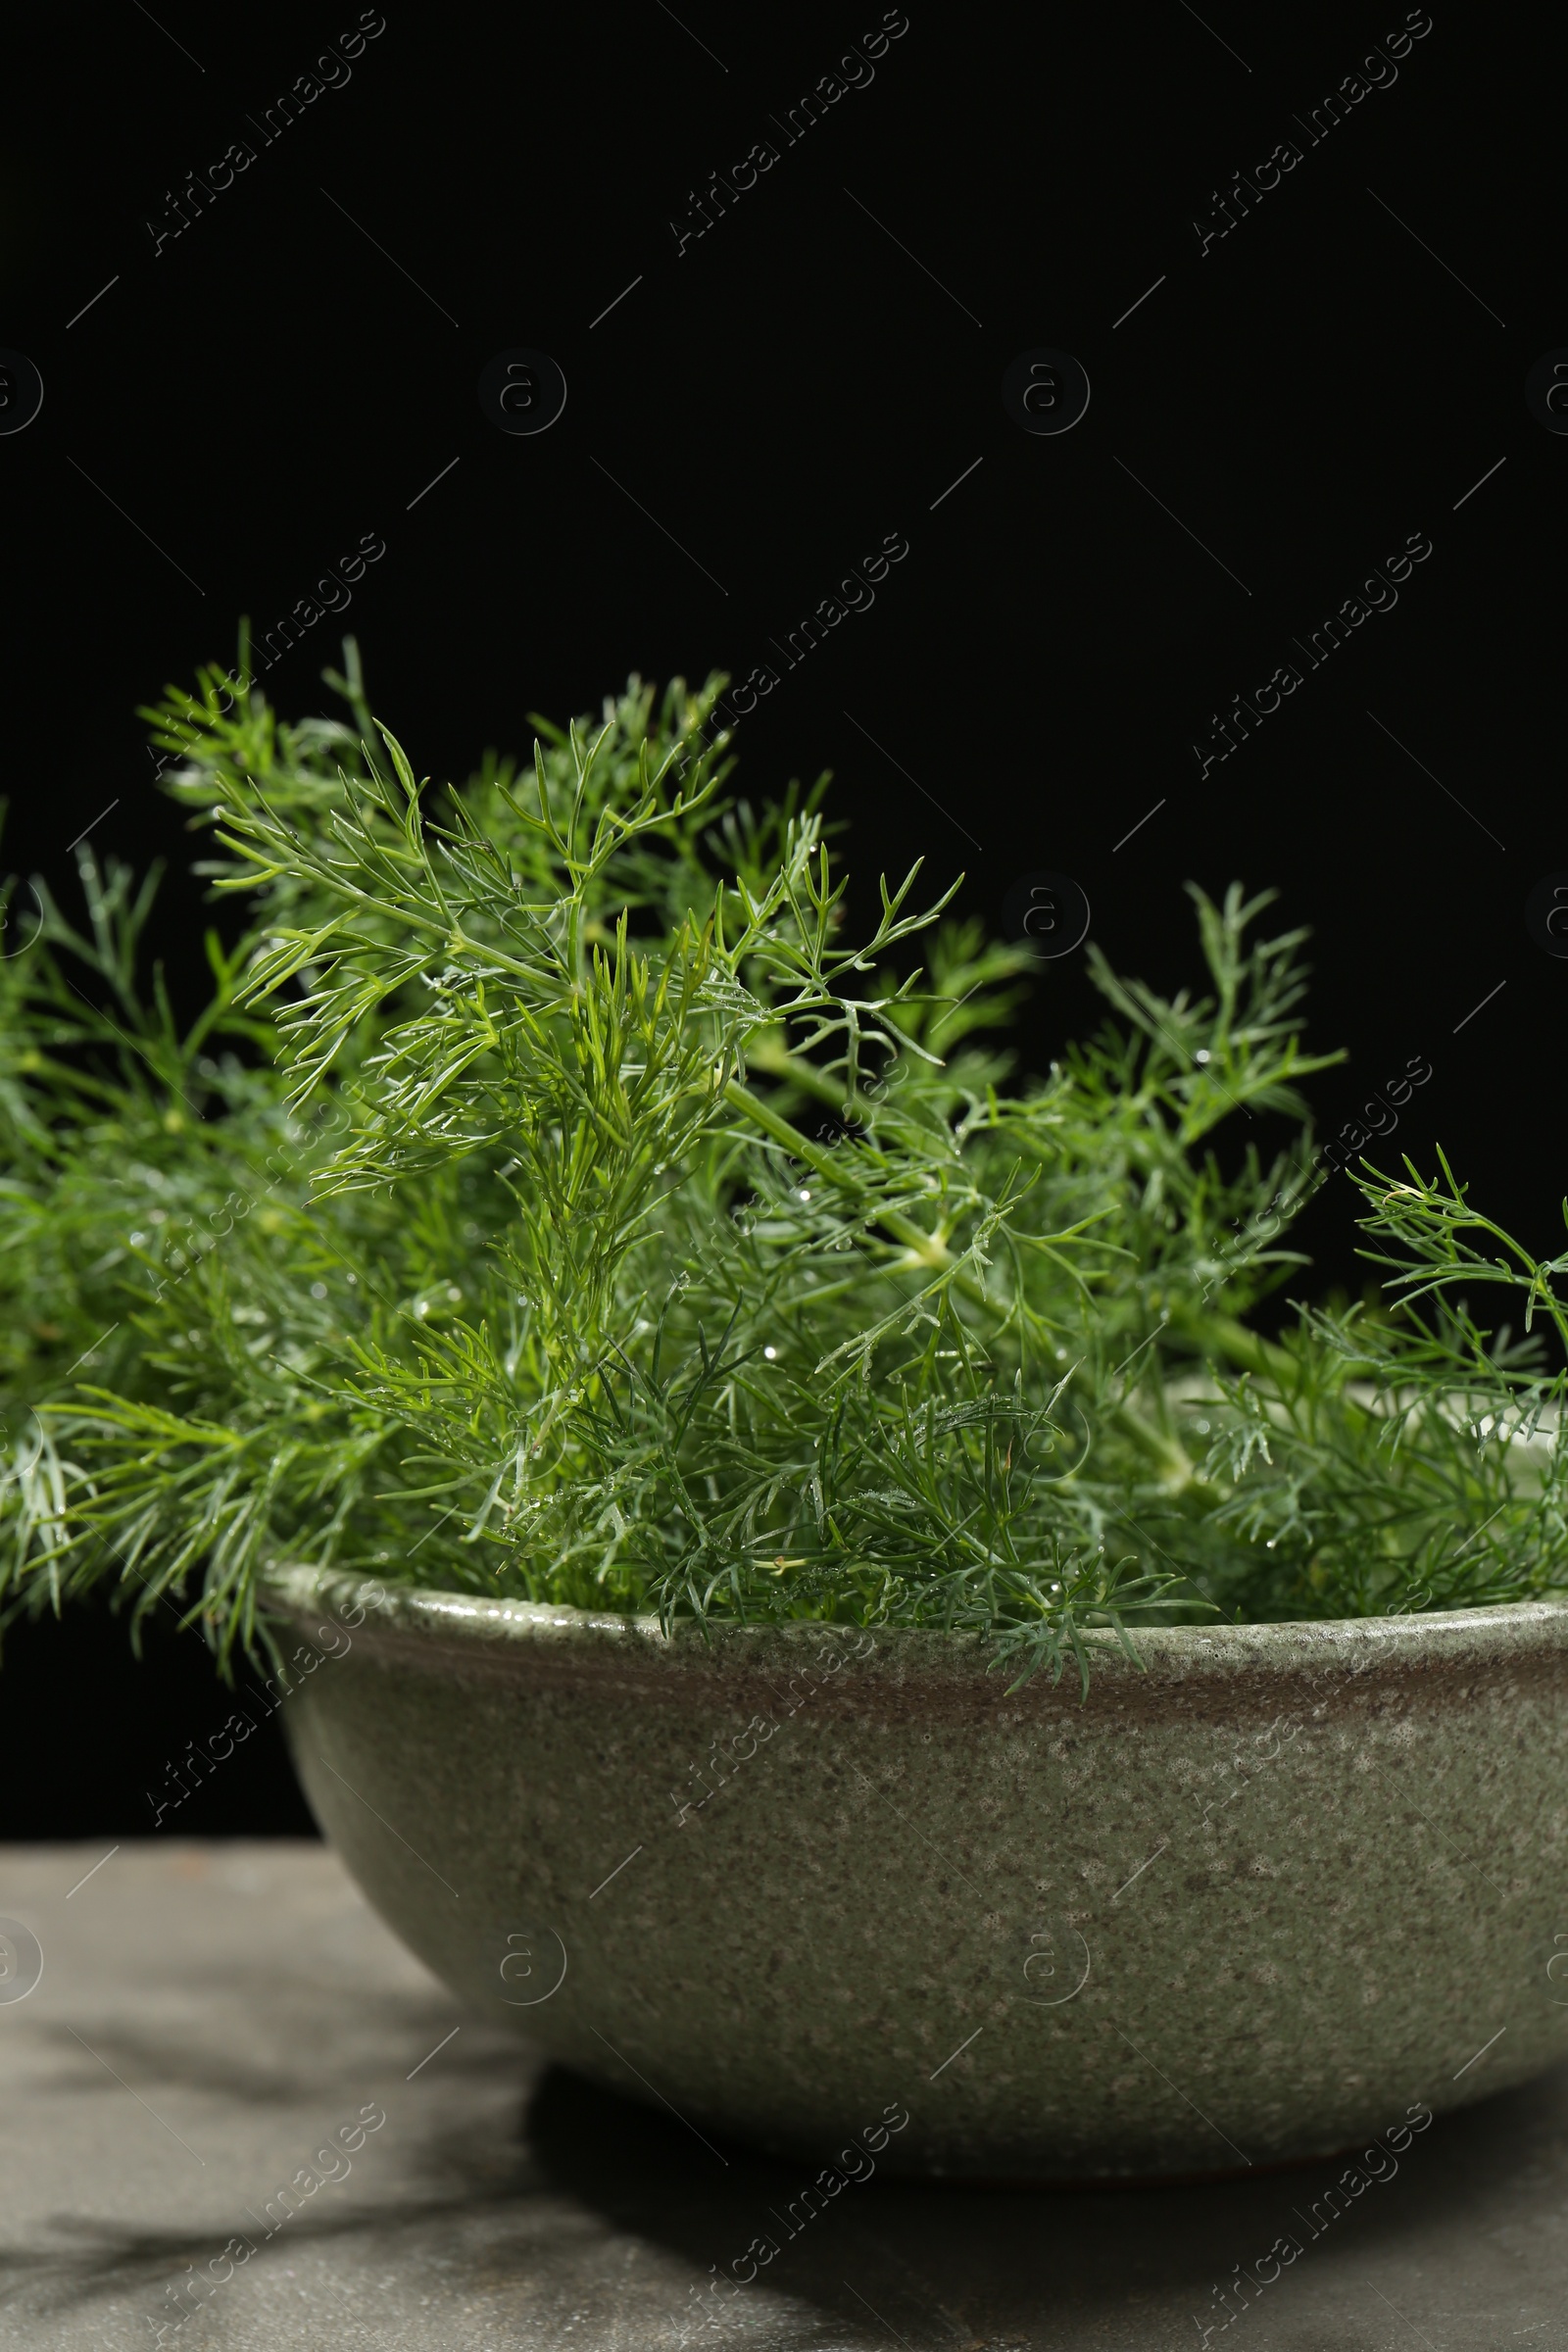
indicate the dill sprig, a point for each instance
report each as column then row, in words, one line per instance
column 555, row 1199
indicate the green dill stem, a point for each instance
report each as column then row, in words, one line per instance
column 1216, row 1335
column 1222, row 1335
column 779, row 1063
column 1168, row 1453
column 928, row 1247
column 1175, row 1462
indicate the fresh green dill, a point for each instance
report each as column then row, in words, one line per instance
column 552, row 1201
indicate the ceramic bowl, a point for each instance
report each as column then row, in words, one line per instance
column 1275, row 1891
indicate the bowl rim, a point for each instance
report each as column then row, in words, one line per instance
column 464, row 1621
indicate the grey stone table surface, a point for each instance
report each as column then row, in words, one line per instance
column 211, row 2018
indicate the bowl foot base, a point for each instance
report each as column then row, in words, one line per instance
column 1083, row 2183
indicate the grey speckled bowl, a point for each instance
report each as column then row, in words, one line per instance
column 1288, row 1886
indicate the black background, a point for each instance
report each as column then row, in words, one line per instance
column 224, row 421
